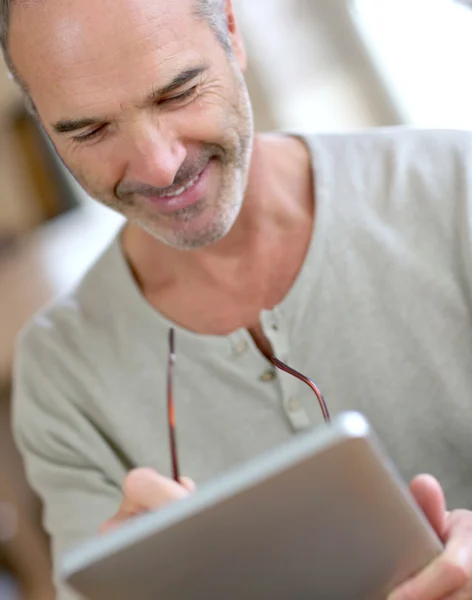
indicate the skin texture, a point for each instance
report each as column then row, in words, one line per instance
column 143, row 146
column 83, row 60
column 101, row 61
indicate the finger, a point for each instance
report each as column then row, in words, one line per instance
column 429, row 495
column 125, row 512
column 145, row 490
column 464, row 594
column 459, row 531
column 110, row 525
column 447, row 575
column 188, row 484
column 435, row 583
column 122, row 516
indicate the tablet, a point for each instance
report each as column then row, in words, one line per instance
column 325, row 516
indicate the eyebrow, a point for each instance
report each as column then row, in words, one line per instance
column 68, row 125
column 182, row 78
column 179, row 81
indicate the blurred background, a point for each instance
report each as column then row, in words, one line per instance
column 315, row 65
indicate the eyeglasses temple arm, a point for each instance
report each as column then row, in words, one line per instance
column 171, row 407
column 283, row 367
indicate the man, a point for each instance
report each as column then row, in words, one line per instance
column 347, row 256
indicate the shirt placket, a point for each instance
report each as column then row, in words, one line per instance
column 276, row 330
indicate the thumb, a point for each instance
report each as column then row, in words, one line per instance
column 144, row 490
column 429, row 495
column 188, row 484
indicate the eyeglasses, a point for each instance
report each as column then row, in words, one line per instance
column 171, row 407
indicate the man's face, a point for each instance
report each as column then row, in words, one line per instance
column 144, row 106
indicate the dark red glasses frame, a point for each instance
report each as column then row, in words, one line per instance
column 170, row 399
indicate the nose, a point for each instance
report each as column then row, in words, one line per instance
column 154, row 158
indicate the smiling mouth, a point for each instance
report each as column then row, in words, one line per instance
column 175, row 199
column 184, row 188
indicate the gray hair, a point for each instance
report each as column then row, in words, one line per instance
column 212, row 11
column 5, row 10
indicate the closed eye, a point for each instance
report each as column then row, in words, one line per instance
column 96, row 133
column 91, row 135
column 180, row 97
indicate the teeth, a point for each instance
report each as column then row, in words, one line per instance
column 183, row 189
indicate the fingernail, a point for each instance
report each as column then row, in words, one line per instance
column 188, row 484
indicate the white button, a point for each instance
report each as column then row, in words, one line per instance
column 269, row 375
column 296, row 413
column 293, row 405
column 241, row 348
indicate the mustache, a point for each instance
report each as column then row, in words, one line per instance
column 188, row 171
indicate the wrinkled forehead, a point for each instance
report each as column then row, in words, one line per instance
column 73, row 45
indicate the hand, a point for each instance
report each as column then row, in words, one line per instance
column 145, row 490
column 449, row 577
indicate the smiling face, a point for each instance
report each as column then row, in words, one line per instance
column 145, row 107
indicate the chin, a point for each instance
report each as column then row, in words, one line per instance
column 195, row 234
column 196, row 240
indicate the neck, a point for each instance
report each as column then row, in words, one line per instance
column 278, row 194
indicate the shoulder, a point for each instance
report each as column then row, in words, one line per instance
column 383, row 155
column 89, row 305
column 56, row 351
column 398, row 168
column 384, row 142
column 397, row 190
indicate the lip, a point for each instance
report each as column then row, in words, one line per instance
column 171, row 204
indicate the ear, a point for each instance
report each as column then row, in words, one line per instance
column 236, row 39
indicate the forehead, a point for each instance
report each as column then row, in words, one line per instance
column 74, row 51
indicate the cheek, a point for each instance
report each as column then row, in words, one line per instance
column 207, row 118
column 229, row 117
column 95, row 172
column 200, row 122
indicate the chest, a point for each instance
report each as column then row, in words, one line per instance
column 226, row 413
column 405, row 364
column 236, row 297
column 393, row 344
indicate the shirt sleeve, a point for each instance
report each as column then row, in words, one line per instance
column 69, row 463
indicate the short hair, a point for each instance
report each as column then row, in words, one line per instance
column 212, row 11
column 5, row 14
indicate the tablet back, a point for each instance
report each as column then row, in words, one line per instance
column 325, row 516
